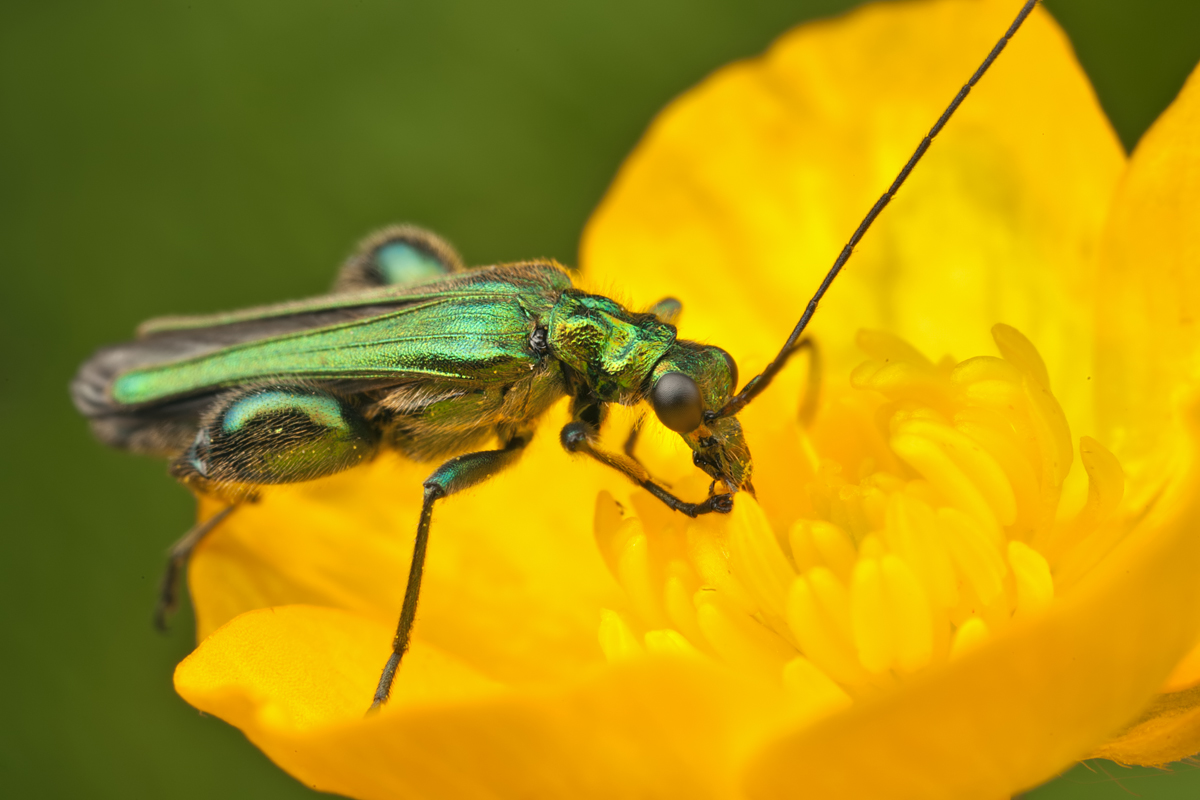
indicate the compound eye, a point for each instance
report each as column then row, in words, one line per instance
column 676, row 401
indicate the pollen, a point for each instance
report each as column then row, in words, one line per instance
column 906, row 555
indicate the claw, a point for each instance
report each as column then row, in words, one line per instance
column 721, row 503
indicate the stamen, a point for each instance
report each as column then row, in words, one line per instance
column 1106, row 487
column 816, row 543
column 994, row 432
column 1020, row 352
column 812, row 689
column 1035, row 587
column 1106, row 481
column 930, row 524
column 678, row 598
column 739, row 639
column 669, row 642
column 970, row 635
column 890, row 614
column 940, row 469
column 711, row 563
column 617, row 639
column 874, row 636
column 636, row 573
column 972, row 463
column 912, row 532
column 913, row 617
column 1054, row 442
column 818, row 613
column 758, row 562
column 610, row 527
column 978, row 561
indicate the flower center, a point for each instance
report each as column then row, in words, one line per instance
column 933, row 528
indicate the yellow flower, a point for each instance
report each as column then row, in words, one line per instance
column 929, row 602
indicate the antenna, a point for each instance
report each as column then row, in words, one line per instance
column 759, row 382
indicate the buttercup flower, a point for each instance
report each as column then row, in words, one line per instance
column 962, row 572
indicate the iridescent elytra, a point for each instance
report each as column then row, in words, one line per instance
column 413, row 352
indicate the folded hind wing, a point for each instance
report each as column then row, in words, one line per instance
column 473, row 327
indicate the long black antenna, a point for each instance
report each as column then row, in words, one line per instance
column 760, row 382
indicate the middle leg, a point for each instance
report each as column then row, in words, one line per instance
column 455, row 475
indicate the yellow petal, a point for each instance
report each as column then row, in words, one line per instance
column 513, row 582
column 321, row 655
column 1186, row 674
column 744, row 190
column 1169, row 730
column 1035, row 587
column 296, row 680
column 972, row 633
column 617, row 639
column 1147, row 326
column 1013, row 711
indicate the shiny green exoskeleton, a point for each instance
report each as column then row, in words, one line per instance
column 414, row 353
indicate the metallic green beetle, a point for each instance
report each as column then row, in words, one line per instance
column 414, row 353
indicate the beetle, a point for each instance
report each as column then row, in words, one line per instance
column 415, row 353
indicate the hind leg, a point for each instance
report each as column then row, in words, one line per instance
column 453, row 476
column 177, row 558
column 259, row 436
column 395, row 256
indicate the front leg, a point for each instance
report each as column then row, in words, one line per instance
column 579, row 435
column 455, row 475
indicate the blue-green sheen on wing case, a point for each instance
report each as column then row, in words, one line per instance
column 323, row 411
column 428, row 369
column 432, row 368
column 410, row 353
column 476, row 332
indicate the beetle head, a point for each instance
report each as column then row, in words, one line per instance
column 688, row 381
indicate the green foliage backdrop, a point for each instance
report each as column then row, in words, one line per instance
column 173, row 157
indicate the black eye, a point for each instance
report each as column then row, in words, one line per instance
column 733, row 371
column 676, row 401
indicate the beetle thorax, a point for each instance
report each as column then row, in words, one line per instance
column 611, row 348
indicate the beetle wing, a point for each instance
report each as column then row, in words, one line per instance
column 470, row 327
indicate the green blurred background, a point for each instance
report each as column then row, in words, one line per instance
column 172, row 157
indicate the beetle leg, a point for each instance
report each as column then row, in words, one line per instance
column 271, row 434
column 177, row 558
column 260, row 435
column 395, row 256
column 455, row 475
column 577, row 437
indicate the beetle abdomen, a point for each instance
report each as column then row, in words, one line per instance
column 276, row 434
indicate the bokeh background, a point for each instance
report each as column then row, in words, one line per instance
column 160, row 156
